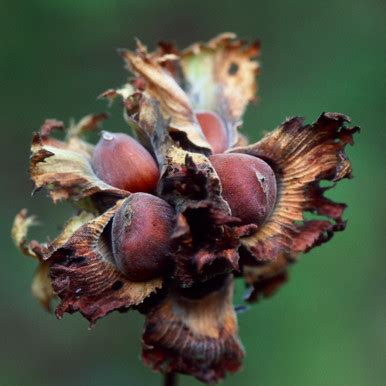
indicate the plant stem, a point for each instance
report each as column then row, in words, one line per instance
column 170, row 379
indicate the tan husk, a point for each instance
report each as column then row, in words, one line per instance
column 41, row 284
column 174, row 103
column 217, row 76
column 301, row 156
column 64, row 167
column 220, row 76
column 85, row 278
column 194, row 336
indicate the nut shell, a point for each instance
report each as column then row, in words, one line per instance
column 248, row 185
column 214, row 130
column 121, row 161
column 141, row 233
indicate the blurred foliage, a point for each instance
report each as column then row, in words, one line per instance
column 327, row 325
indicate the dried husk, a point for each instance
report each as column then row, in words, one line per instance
column 196, row 336
column 301, row 157
column 64, row 167
column 41, row 284
column 85, row 278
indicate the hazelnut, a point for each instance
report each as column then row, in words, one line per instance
column 248, row 185
column 141, row 232
column 123, row 162
column 214, row 130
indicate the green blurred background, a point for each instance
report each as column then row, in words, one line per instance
column 327, row 326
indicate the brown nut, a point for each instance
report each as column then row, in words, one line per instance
column 123, row 162
column 249, row 186
column 141, row 233
column 214, row 130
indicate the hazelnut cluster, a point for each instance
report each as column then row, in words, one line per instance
column 168, row 217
